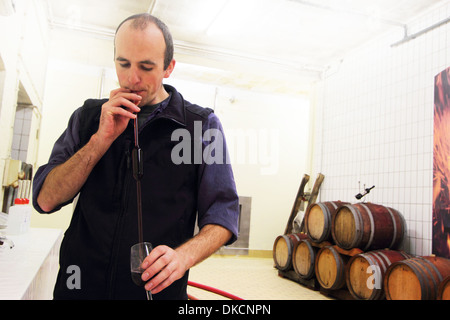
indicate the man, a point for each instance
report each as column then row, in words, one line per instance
column 92, row 159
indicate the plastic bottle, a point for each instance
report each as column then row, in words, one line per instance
column 19, row 216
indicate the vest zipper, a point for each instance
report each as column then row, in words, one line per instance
column 118, row 230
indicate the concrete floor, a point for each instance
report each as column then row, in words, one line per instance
column 248, row 278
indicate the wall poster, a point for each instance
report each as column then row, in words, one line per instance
column 441, row 166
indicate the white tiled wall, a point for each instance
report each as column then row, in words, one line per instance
column 22, row 126
column 374, row 124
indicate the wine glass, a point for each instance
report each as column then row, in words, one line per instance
column 137, row 255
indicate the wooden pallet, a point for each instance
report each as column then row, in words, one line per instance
column 312, row 284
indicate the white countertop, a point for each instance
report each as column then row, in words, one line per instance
column 30, row 265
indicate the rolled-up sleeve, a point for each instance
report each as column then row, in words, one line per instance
column 64, row 148
column 218, row 201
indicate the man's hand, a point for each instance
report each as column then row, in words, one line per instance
column 165, row 265
column 116, row 113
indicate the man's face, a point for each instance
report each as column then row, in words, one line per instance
column 139, row 59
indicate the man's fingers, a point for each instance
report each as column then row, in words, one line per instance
column 129, row 96
column 117, row 112
column 161, row 269
column 117, row 91
column 156, row 260
column 121, row 112
column 120, row 99
column 130, row 101
column 121, row 106
column 163, row 279
column 124, row 93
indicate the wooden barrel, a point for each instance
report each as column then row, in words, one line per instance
column 416, row 278
column 444, row 289
column 283, row 248
column 318, row 218
column 303, row 259
column 365, row 273
column 368, row 226
column 330, row 268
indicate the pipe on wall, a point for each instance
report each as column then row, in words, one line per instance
column 420, row 33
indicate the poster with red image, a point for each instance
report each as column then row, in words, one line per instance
column 441, row 166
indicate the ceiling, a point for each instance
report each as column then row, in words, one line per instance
column 279, row 44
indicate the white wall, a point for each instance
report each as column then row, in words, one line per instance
column 375, row 124
column 268, row 140
column 271, row 162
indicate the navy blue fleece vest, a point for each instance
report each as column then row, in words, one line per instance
column 104, row 223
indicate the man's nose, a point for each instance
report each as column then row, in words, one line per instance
column 134, row 76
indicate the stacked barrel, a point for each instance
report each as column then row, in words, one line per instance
column 418, row 278
column 355, row 248
column 283, row 248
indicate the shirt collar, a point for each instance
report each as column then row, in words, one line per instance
column 173, row 107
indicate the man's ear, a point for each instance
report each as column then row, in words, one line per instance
column 169, row 69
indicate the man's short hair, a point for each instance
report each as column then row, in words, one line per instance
column 141, row 21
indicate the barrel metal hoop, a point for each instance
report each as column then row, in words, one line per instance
column 419, row 274
column 372, row 227
column 339, row 265
column 311, row 252
column 288, row 241
column 312, row 259
column 394, row 234
column 405, row 255
column 425, row 263
column 334, row 205
column 435, row 269
column 326, row 221
column 358, row 231
column 404, row 231
column 384, row 260
column 428, row 264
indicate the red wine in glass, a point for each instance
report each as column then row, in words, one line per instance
column 138, row 253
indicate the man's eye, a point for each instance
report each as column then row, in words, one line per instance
column 124, row 65
column 146, row 69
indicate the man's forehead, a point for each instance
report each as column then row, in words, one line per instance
column 139, row 44
column 149, row 31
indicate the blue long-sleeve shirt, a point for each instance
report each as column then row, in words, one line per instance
column 216, row 195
